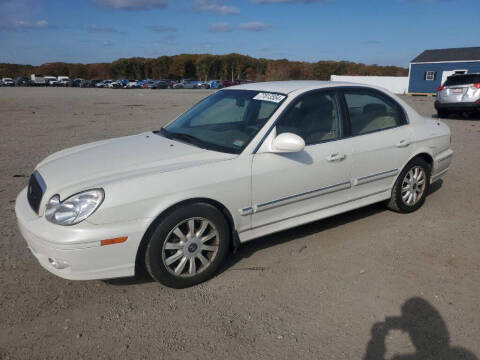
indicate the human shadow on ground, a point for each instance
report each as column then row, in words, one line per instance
column 427, row 331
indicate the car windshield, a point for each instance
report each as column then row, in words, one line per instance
column 462, row 80
column 226, row 121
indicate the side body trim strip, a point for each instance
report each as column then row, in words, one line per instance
column 375, row 177
column 318, row 192
column 294, row 198
column 246, row 211
column 321, row 209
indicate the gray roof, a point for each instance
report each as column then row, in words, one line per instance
column 457, row 54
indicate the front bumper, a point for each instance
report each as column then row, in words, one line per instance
column 78, row 247
column 458, row 106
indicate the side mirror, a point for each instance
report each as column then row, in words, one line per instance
column 287, row 143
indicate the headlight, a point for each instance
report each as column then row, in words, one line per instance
column 74, row 209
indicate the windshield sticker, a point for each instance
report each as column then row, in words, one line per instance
column 276, row 98
column 238, row 143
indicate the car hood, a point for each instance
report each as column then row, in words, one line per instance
column 99, row 163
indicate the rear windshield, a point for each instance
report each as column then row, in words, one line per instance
column 462, row 79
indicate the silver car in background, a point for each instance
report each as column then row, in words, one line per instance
column 460, row 94
column 187, row 84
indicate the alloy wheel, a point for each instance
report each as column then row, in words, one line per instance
column 190, row 247
column 413, row 185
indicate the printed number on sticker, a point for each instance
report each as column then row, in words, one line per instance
column 276, row 98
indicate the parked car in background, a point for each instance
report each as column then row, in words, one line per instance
column 159, row 84
column 7, row 82
column 22, row 81
column 245, row 162
column 79, row 82
column 186, row 84
column 243, row 81
column 51, row 81
column 459, row 94
column 227, row 83
column 202, row 85
column 37, row 80
column 143, row 84
column 117, row 84
column 215, row 84
column 64, row 81
column 103, row 84
column 92, row 83
column 132, row 84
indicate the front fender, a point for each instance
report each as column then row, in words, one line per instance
column 223, row 182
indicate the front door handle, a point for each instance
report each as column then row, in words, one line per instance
column 403, row 143
column 336, row 157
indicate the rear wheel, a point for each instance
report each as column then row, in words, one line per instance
column 411, row 187
column 188, row 246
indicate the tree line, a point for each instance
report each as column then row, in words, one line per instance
column 203, row 67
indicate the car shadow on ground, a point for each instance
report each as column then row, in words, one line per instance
column 316, row 227
column 427, row 330
column 247, row 249
column 460, row 116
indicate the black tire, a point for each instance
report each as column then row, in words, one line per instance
column 396, row 202
column 442, row 114
column 154, row 254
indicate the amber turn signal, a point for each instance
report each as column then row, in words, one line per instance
column 113, row 241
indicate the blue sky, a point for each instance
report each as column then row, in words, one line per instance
column 388, row 32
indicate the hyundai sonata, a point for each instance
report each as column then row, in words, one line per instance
column 247, row 161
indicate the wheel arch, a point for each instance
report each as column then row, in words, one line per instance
column 235, row 240
column 423, row 154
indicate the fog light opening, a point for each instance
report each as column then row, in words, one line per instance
column 57, row 264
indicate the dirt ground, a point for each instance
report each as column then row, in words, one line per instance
column 366, row 284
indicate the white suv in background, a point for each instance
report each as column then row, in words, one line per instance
column 460, row 94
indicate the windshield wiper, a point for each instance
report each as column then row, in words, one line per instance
column 184, row 137
column 164, row 132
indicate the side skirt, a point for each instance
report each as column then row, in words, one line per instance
column 314, row 215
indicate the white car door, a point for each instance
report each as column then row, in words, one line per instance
column 381, row 140
column 288, row 185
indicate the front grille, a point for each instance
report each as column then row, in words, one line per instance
column 35, row 191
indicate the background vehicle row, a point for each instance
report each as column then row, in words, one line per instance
column 65, row 81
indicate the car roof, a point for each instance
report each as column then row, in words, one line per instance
column 467, row 74
column 286, row 87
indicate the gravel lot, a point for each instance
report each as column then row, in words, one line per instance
column 313, row 292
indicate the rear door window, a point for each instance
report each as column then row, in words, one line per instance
column 371, row 111
column 462, row 80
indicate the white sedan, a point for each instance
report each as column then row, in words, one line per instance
column 247, row 161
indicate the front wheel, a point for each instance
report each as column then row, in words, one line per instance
column 411, row 187
column 188, row 246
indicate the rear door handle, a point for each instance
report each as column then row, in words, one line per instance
column 336, row 157
column 403, row 143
